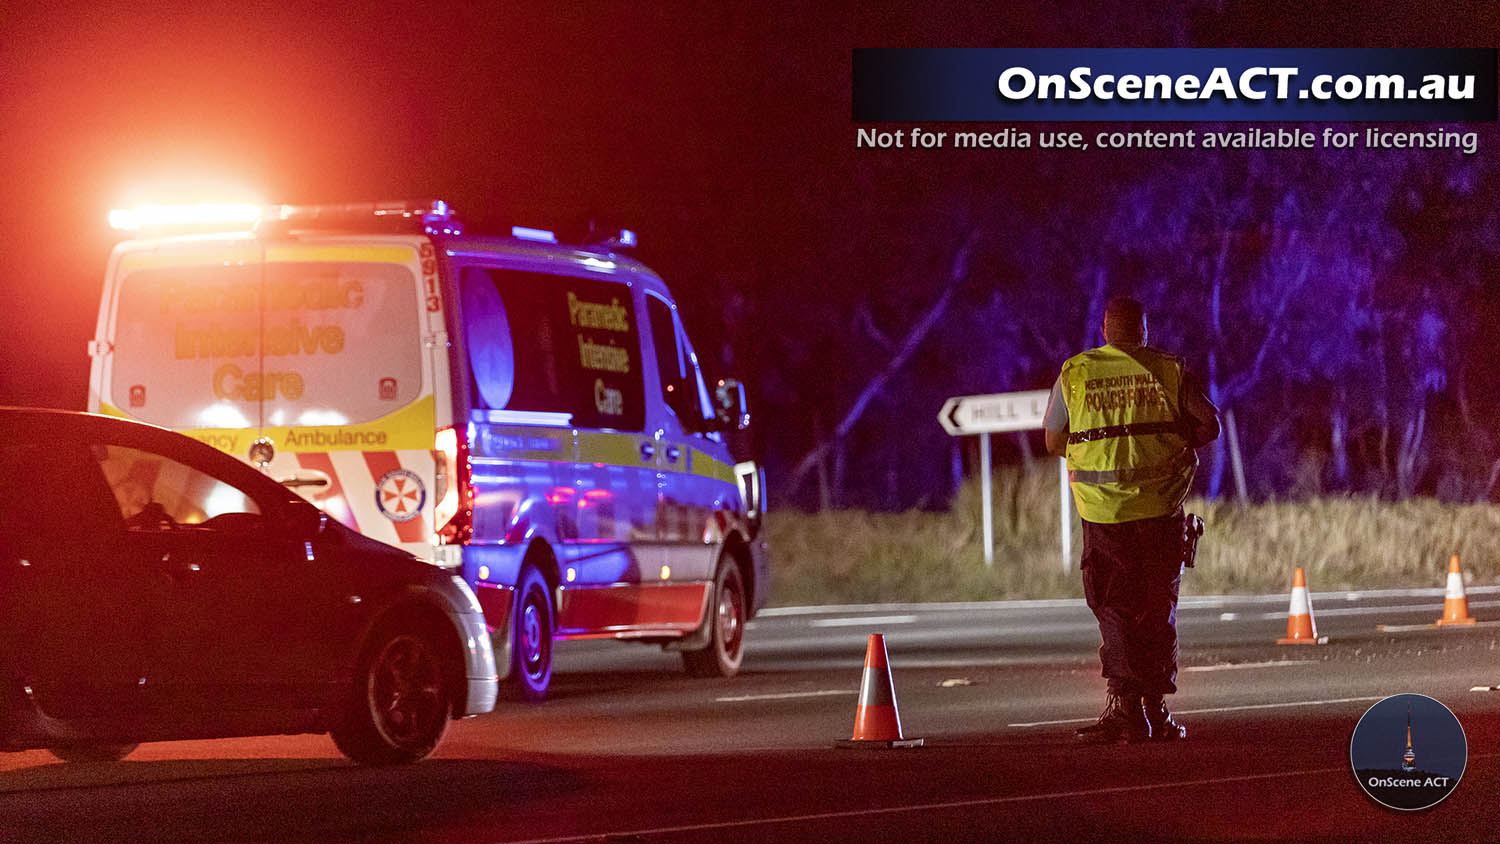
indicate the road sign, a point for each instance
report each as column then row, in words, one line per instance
column 993, row 413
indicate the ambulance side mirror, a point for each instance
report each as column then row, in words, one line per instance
column 730, row 405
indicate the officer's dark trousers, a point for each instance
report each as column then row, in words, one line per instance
column 1131, row 572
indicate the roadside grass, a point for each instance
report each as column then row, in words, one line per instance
column 853, row 556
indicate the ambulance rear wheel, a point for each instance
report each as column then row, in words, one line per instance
column 726, row 640
column 531, row 648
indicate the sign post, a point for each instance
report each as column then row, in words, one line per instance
column 998, row 412
column 985, row 499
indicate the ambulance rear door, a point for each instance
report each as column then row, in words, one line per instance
column 320, row 352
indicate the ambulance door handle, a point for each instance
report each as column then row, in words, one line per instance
column 648, row 450
column 673, row 452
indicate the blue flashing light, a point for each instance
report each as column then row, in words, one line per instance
column 538, row 235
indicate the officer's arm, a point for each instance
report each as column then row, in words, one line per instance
column 1055, row 422
column 1202, row 416
column 1057, row 443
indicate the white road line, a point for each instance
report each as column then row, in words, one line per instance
column 1228, row 616
column 1233, row 666
column 924, row 807
column 905, row 664
column 857, row 621
column 1407, row 628
column 787, row 695
column 1216, row 709
column 1399, row 608
column 1187, row 602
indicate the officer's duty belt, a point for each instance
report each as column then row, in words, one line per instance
column 1137, row 429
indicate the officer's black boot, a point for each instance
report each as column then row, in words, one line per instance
column 1163, row 726
column 1124, row 719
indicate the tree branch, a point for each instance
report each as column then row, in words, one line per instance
column 914, row 337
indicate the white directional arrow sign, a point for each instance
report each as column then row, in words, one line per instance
column 993, row 413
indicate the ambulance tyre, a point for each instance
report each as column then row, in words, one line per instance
column 92, row 752
column 531, row 643
column 725, row 650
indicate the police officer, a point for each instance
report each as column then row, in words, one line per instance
column 1128, row 417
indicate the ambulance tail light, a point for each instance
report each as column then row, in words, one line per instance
column 453, row 512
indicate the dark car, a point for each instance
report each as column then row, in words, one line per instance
column 153, row 588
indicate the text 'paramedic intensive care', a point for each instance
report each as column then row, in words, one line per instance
column 213, row 339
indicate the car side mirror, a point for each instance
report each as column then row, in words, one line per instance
column 305, row 521
column 730, row 406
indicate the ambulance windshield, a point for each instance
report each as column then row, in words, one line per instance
column 265, row 345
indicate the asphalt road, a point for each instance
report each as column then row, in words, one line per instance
column 630, row 749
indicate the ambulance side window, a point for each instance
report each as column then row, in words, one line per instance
column 702, row 407
column 681, row 383
column 492, row 365
column 556, row 344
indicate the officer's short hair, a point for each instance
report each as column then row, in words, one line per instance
column 1125, row 320
column 1125, row 311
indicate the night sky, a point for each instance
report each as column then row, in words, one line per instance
column 721, row 133
column 1437, row 737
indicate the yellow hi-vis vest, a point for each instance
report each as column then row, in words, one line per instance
column 1128, row 456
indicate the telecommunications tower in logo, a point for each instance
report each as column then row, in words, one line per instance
column 1408, row 752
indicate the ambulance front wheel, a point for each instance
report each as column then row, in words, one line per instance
column 726, row 640
column 531, row 649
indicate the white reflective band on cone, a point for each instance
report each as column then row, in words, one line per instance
column 1301, row 603
column 1455, row 585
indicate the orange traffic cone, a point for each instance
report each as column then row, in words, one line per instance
column 876, row 721
column 1300, row 627
column 1455, row 604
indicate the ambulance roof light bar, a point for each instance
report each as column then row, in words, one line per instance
column 197, row 214
column 434, row 214
column 617, row 239
column 537, row 235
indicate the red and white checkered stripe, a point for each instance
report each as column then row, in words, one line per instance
column 350, row 496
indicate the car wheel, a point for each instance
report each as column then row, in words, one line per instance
column 531, row 648
column 92, row 752
column 399, row 705
column 725, row 650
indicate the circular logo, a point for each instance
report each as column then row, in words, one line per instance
column 400, row 495
column 1408, row 752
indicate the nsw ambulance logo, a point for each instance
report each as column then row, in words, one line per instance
column 400, row 495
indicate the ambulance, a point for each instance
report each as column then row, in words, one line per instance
column 527, row 412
